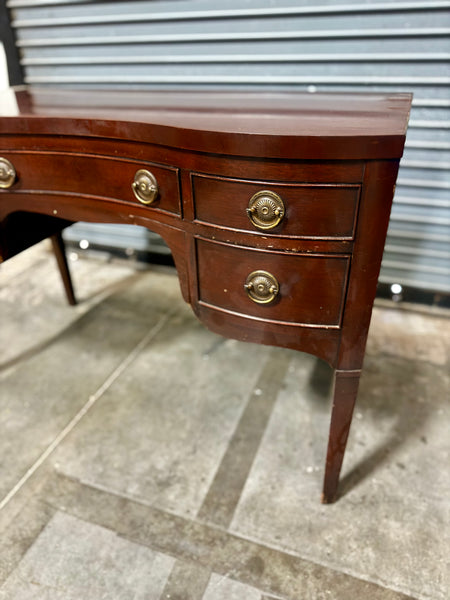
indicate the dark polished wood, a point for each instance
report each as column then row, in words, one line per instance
column 344, row 398
column 92, row 176
column 312, row 211
column 61, row 260
column 331, row 158
column 223, row 269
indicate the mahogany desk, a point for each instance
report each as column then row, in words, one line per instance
column 275, row 206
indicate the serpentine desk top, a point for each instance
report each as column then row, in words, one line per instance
column 255, row 124
column 275, row 205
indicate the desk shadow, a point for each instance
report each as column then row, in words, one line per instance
column 92, row 302
column 393, row 389
column 321, row 381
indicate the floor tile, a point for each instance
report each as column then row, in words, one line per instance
column 200, row 460
column 391, row 524
column 32, row 302
column 72, row 559
column 223, row 588
column 159, row 433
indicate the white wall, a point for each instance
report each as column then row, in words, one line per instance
column 8, row 103
column 3, row 70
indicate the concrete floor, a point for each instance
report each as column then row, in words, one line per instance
column 143, row 457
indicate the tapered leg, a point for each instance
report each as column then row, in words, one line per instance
column 345, row 391
column 60, row 254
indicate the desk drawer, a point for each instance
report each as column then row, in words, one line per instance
column 90, row 175
column 311, row 287
column 310, row 210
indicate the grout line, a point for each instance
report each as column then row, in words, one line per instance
column 80, row 310
column 87, row 406
column 286, row 575
column 187, row 579
column 225, row 491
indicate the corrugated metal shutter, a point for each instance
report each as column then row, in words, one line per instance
column 385, row 45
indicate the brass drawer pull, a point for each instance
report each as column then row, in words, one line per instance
column 265, row 210
column 145, row 186
column 7, row 173
column 262, row 287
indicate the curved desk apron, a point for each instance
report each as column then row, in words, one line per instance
column 275, row 206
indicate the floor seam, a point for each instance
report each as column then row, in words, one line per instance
column 117, row 372
column 193, row 529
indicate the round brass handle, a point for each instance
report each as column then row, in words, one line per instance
column 265, row 209
column 262, row 287
column 7, row 173
column 145, row 186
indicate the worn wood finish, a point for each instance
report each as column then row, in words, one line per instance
column 311, row 210
column 92, row 176
column 333, row 158
column 297, row 274
column 279, row 125
column 312, row 171
column 344, row 397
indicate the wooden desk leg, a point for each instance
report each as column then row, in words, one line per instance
column 61, row 259
column 344, row 396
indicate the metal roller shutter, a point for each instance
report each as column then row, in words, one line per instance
column 316, row 45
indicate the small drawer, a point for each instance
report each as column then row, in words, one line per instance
column 90, row 175
column 306, row 210
column 310, row 288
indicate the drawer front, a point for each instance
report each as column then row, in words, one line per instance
column 316, row 211
column 311, row 287
column 100, row 177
